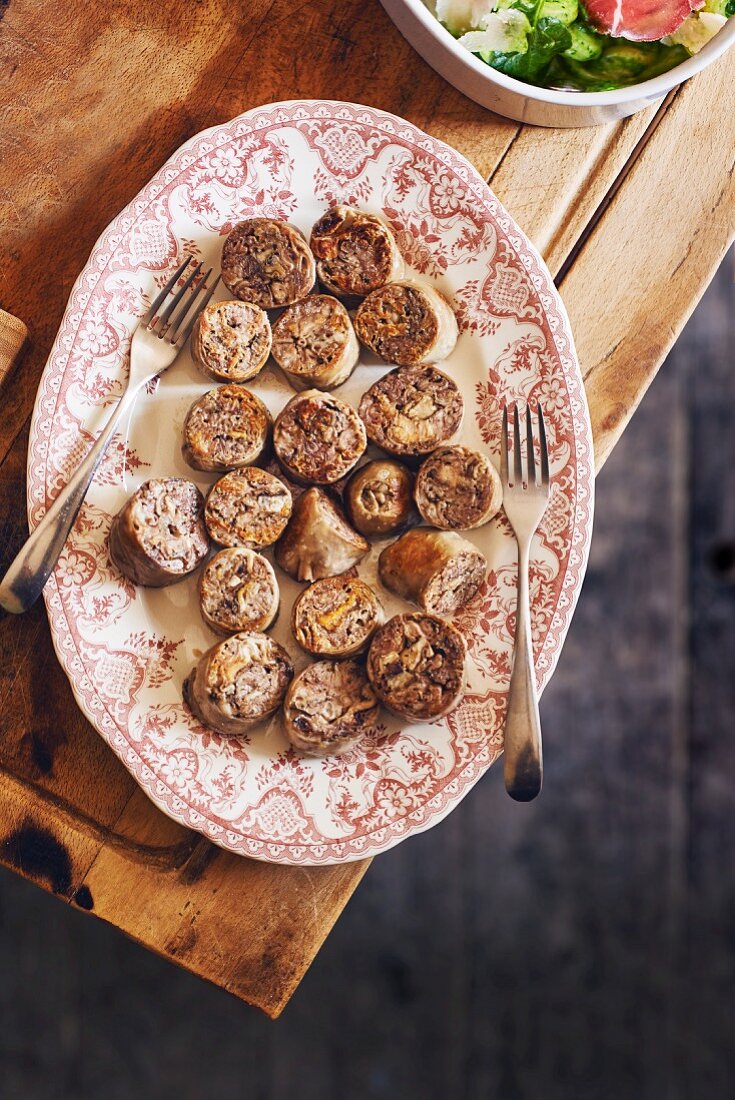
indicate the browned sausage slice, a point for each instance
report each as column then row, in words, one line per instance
column 355, row 252
column 159, row 536
column 238, row 591
column 329, row 707
column 226, row 428
column 231, row 341
column 314, row 343
column 318, row 541
column 458, row 489
column 336, row 617
column 412, row 410
column 407, row 323
column 378, row 497
column 416, row 664
column 267, row 262
column 238, row 682
column 438, row 570
column 318, row 438
column 248, row 507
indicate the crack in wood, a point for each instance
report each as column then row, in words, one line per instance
column 615, row 186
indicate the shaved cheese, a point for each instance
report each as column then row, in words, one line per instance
column 696, row 31
column 504, row 32
column 463, row 15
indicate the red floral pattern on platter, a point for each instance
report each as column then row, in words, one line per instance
column 505, row 292
column 126, row 650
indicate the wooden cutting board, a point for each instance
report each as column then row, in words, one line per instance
column 635, row 215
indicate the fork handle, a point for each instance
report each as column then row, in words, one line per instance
column 22, row 584
column 523, row 762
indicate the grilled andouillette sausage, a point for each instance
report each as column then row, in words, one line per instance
column 355, row 252
column 412, row 410
column 318, row 541
column 407, row 323
column 159, row 536
column 314, row 343
column 228, row 427
column 378, row 497
column 457, row 489
column 336, row 617
column 416, row 664
column 438, row 570
column 248, row 507
column 231, row 341
column 318, row 438
column 329, row 707
column 267, row 262
column 238, row 591
column 238, row 682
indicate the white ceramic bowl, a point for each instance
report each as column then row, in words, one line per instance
column 539, row 106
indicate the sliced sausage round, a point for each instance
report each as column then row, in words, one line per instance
column 412, row 410
column 407, row 323
column 267, row 262
column 416, row 664
column 159, row 535
column 336, row 617
column 438, row 570
column 314, row 343
column 378, row 497
column 329, row 707
column 318, row 541
column 231, row 341
column 458, row 489
column 238, row 591
column 355, row 252
column 248, row 507
column 238, row 682
column 228, row 427
column 318, row 438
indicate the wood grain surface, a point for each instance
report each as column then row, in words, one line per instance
column 95, row 103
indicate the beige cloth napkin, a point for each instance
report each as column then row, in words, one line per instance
column 13, row 335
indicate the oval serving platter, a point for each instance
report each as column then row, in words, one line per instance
column 127, row 650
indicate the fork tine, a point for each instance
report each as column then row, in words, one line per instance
column 167, row 319
column 544, row 447
column 161, row 297
column 517, row 458
column 530, row 456
column 504, row 447
column 183, row 332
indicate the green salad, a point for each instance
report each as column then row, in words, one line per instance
column 561, row 44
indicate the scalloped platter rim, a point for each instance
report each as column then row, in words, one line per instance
column 126, row 651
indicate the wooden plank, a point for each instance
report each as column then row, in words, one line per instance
column 588, row 161
column 639, row 275
column 110, row 116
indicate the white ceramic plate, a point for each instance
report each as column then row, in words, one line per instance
column 127, row 650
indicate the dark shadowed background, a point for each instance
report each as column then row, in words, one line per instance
column 580, row 946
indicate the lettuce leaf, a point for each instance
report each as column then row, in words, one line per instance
column 548, row 37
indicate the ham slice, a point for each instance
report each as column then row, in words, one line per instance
column 640, row 20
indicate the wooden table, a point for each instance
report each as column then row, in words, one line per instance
column 633, row 219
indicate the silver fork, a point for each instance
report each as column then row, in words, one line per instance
column 157, row 341
column 525, row 498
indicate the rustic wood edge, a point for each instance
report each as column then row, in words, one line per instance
column 658, row 294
